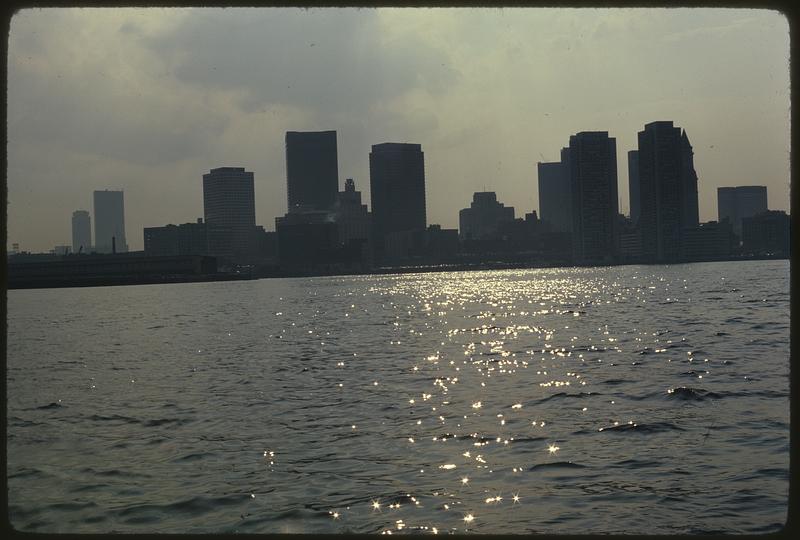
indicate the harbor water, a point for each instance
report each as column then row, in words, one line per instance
column 630, row 399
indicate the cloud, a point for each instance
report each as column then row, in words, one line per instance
column 334, row 62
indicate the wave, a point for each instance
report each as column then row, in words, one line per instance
column 642, row 428
column 561, row 395
column 49, row 406
column 686, row 393
column 557, row 465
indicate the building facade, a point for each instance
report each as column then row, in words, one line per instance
column 352, row 218
column 633, row 185
column 667, row 190
column 555, row 201
column 737, row 203
column 186, row 239
column 312, row 169
column 710, row 241
column 109, row 222
column 229, row 205
column 397, row 190
column 482, row 220
column 593, row 186
column 767, row 233
column 81, row 232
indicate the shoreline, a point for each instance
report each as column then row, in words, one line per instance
column 58, row 282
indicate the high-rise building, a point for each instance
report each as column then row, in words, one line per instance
column 352, row 218
column 81, row 232
column 397, row 189
column 229, row 205
column 633, row 185
column 312, row 169
column 667, row 190
column 555, row 201
column 593, row 186
column 737, row 203
column 109, row 222
column 691, row 207
column 482, row 220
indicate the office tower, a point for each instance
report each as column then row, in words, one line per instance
column 229, row 205
column 397, row 189
column 81, row 232
column 482, row 220
column 312, row 170
column 555, row 201
column 593, row 185
column 633, row 185
column 667, row 190
column 691, row 210
column 109, row 222
column 352, row 218
column 737, row 203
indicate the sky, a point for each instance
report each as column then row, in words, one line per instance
column 148, row 99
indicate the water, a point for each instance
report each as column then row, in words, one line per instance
column 638, row 399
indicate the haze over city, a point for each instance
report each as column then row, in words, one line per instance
column 148, row 100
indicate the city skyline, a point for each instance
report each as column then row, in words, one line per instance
column 223, row 111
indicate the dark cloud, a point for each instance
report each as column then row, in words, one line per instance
column 320, row 60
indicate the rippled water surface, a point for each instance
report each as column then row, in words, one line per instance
column 637, row 399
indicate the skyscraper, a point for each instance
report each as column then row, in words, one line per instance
column 667, row 192
column 633, row 185
column 312, row 169
column 397, row 189
column 555, row 201
column 109, row 222
column 593, row 185
column 229, row 204
column 352, row 218
column 81, row 232
column 737, row 203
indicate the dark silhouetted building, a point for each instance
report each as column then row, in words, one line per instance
column 188, row 239
column 312, row 170
column 593, row 186
column 229, row 205
column 308, row 240
column 767, row 233
column 397, row 190
column 441, row 245
column 633, row 185
column 81, row 232
column 483, row 218
column 667, row 190
column 352, row 218
column 630, row 240
column 712, row 241
column 109, row 222
column 737, row 203
column 555, row 200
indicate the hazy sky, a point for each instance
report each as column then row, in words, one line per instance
column 147, row 100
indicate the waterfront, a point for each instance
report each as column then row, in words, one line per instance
column 631, row 399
